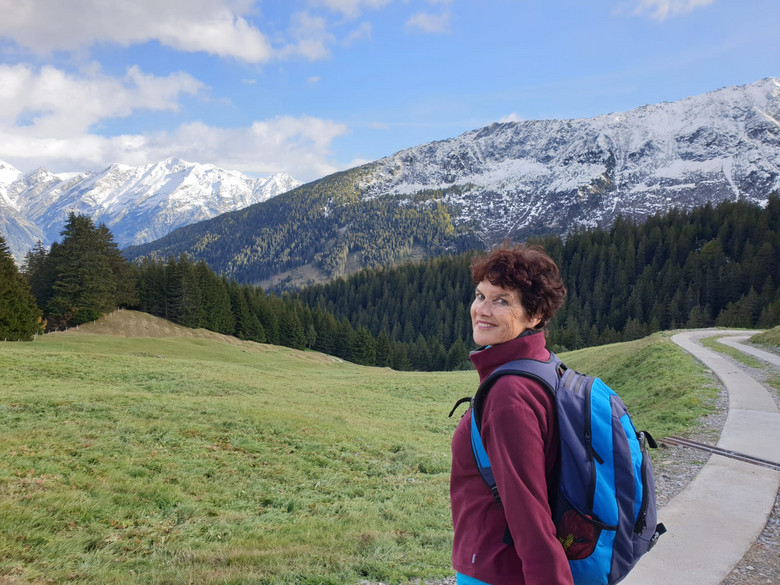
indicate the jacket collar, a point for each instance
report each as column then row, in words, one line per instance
column 530, row 344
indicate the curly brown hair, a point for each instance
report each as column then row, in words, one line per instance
column 527, row 269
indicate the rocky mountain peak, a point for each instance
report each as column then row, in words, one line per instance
column 138, row 204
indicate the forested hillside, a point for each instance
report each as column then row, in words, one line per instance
column 312, row 233
column 714, row 265
column 710, row 266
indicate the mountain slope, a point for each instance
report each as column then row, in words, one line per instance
column 138, row 204
column 525, row 177
column 315, row 232
column 506, row 180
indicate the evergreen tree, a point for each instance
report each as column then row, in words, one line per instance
column 247, row 325
column 184, row 293
column 400, row 359
column 344, row 341
column 438, row 359
column 458, row 356
column 362, row 348
column 39, row 271
column 325, row 326
column 253, row 328
column 217, row 312
column 85, row 286
column 153, row 289
column 125, row 274
column 20, row 316
column 383, row 350
column 292, row 332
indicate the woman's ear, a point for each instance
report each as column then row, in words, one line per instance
column 535, row 321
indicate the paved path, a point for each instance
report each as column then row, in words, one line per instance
column 736, row 341
column 713, row 522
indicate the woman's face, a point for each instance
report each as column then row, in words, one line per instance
column 497, row 315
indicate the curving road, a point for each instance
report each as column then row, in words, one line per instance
column 713, row 522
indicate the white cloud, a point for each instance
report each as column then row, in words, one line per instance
column 350, row 8
column 296, row 145
column 224, row 28
column 218, row 27
column 364, row 31
column 50, row 102
column 513, row 117
column 48, row 118
column 312, row 38
column 661, row 9
column 430, row 23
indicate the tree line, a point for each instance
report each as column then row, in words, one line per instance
column 85, row 276
column 715, row 265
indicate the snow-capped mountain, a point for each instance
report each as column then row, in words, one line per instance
column 550, row 175
column 510, row 180
column 138, row 204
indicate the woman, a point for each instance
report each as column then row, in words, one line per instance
column 518, row 290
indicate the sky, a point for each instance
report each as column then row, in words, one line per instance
column 311, row 87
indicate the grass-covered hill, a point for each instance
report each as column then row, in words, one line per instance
column 139, row 452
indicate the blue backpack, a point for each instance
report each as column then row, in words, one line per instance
column 603, row 498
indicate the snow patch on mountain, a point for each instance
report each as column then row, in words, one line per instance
column 519, row 178
column 138, row 204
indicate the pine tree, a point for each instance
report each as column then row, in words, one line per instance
column 125, row 274
column 383, row 350
column 251, row 328
column 20, row 316
column 153, row 289
column 39, row 271
column 400, row 360
column 292, row 332
column 458, row 356
column 185, row 294
column 245, row 321
column 325, row 326
column 217, row 312
column 363, row 349
column 85, row 285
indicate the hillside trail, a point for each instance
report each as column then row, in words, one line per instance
column 715, row 520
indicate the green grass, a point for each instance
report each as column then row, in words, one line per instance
column 714, row 344
column 185, row 460
column 768, row 340
column 665, row 389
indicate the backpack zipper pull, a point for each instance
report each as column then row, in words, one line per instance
column 589, row 447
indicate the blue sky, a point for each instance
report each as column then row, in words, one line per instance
column 310, row 87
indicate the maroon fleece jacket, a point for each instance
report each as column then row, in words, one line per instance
column 520, row 436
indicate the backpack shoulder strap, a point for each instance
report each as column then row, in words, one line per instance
column 547, row 373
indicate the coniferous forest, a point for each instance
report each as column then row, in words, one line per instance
column 716, row 265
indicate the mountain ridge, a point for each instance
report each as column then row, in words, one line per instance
column 139, row 204
column 507, row 180
column 687, row 143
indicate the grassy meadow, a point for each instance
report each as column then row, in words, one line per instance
column 203, row 459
